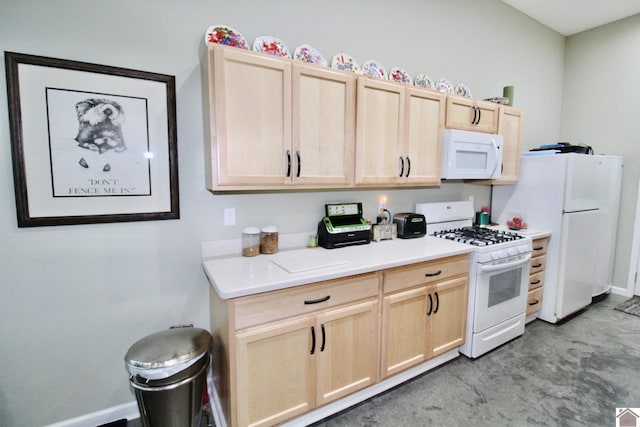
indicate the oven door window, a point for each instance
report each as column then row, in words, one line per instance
column 500, row 295
column 504, row 286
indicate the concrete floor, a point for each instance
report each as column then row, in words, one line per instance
column 573, row 374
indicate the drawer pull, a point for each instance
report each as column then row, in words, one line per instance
column 323, row 339
column 536, row 266
column 317, row 301
column 313, row 340
column 539, row 248
column 535, row 302
column 535, row 282
column 437, row 303
column 437, row 273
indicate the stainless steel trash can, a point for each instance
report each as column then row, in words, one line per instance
column 168, row 372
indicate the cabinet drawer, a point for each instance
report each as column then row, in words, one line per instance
column 427, row 272
column 536, row 280
column 540, row 247
column 258, row 309
column 538, row 264
column 534, row 300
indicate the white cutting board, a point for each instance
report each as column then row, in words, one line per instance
column 307, row 260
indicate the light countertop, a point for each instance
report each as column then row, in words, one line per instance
column 533, row 234
column 237, row 276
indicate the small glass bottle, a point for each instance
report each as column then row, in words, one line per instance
column 250, row 241
column 269, row 240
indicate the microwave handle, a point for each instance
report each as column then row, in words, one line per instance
column 495, row 150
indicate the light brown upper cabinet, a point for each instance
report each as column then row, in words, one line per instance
column 510, row 127
column 398, row 130
column 324, row 102
column 274, row 123
column 470, row 114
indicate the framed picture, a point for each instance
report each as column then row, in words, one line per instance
column 91, row 143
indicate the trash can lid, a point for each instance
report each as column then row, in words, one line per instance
column 169, row 348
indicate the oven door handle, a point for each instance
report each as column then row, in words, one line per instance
column 506, row 266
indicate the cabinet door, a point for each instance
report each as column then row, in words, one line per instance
column 379, row 128
column 275, row 372
column 347, row 346
column 468, row 114
column 404, row 323
column 448, row 319
column 460, row 113
column 252, row 132
column 323, row 125
column 488, row 117
column 424, row 121
column 509, row 126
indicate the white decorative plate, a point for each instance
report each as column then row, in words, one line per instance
column 221, row 34
column 399, row 75
column 308, row 54
column 373, row 68
column 424, row 80
column 271, row 45
column 345, row 62
column 463, row 90
column 444, row 86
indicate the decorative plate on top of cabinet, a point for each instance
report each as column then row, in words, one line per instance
column 463, row 90
column 345, row 62
column 309, row 54
column 373, row 68
column 271, row 45
column 400, row 75
column 444, row 86
column 423, row 80
column 221, row 34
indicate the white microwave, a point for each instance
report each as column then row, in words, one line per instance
column 471, row 155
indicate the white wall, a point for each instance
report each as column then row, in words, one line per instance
column 74, row 298
column 600, row 108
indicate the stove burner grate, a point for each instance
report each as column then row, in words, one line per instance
column 478, row 236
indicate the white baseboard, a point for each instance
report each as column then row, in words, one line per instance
column 622, row 291
column 126, row 410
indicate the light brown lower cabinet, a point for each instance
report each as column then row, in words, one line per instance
column 536, row 275
column 293, row 350
column 422, row 323
column 280, row 354
column 288, row 368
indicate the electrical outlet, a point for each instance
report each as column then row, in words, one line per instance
column 229, row 216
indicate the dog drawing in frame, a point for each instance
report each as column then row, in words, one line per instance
column 100, row 122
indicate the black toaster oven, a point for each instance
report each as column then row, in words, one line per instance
column 410, row 225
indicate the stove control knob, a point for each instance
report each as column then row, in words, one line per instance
column 523, row 249
column 495, row 255
column 513, row 251
column 503, row 253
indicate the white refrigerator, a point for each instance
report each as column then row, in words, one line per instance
column 570, row 196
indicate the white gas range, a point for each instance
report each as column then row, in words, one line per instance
column 498, row 280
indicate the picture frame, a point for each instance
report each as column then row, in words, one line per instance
column 91, row 143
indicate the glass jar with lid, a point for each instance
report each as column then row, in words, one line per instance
column 250, row 241
column 269, row 240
